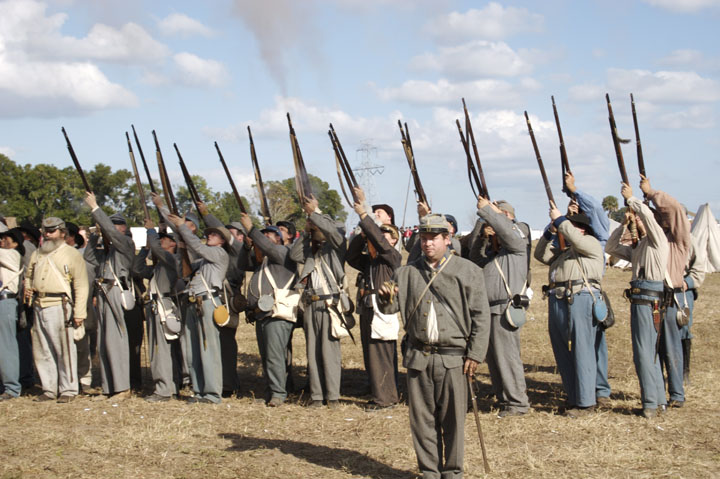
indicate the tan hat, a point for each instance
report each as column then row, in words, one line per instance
column 433, row 224
column 222, row 231
column 53, row 223
column 505, row 206
column 392, row 229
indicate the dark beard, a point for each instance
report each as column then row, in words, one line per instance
column 49, row 246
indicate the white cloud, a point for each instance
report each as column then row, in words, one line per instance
column 688, row 58
column 475, row 59
column 492, row 22
column 665, row 86
column 182, row 25
column 198, row 71
column 684, row 6
column 698, row 117
column 493, row 93
column 7, row 151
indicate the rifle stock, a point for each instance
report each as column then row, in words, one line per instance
column 141, row 193
column 410, row 156
column 564, row 163
column 149, row 177
column 229, row 177
column 259, row 182
column 617, row 141
column 471, row 138
column 76, row 162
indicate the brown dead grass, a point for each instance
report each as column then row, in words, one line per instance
column 241, row 438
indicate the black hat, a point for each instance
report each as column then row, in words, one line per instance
column 451, row 219
column 387, row 209
column 29, row 228
column 17, row 236
column 292, row 231
column 73, row 230
column 580, row 219
column 165, row 234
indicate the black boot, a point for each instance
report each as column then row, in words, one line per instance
column 686, row 346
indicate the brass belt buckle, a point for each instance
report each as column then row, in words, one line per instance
column 314, row 297
column 191, row 298
column 635, row 291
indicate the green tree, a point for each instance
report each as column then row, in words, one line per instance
column 610, row 203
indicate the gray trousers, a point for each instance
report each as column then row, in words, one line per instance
column 204, row 351
column 437, row 399
column 9, row 355
column 323, row 353
column 273, row 335
column 84, row 361
column 113, row 346
column 506, row 367
column 380, row 362
column 161, row 356
column 55, row 355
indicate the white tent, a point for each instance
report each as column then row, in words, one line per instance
column 706, row 231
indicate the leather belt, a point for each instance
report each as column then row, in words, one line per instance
column 7, row 295
column 161, row 295
column 194, row 297
column 643, row 292
column 498, row 302
column 434, row 349
column 319, row 297
column 41, row 294
column 574, row 282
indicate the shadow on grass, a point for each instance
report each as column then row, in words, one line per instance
column 346, row 460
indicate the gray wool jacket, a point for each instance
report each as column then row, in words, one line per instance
column 511, row 257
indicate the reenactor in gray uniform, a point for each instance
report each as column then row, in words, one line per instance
column 443, row 303
column 200, row 300
column 649, row 261
column 113, row 265
column 412, row 246
column 273, row 270
column 321, row 252
column 56, row 283
column 575, row 276
column 11, row 252
column 694, row 277
column 373, row 253
column 502, row 253
column 163, row 314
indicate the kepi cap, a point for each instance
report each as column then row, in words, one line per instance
column 53, row 223
column 505, row 206
column 433, row 223
column 118, row 219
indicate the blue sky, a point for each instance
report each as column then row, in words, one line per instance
column 199, row 72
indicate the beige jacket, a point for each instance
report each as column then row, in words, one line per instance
column 42, row 278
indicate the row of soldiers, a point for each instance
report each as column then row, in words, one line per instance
column 460, row 303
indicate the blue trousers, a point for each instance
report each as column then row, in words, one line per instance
column 644, row 340
column 9, row 355
column 572, row 336
column 685, row 332
column 671, row 350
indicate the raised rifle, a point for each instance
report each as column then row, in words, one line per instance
column 548, row 190
column 264, row 207
column 302, row 182
column 470, row 139
column 564, row 164
column 172, row 206
column 141, row 193
column 190, row 184
column 232, row 183
column 76, row 162
column 147, row 173
column 617, row 142
column 343, row 165
column 410, row 156
column 640, row 160
column 472, row 172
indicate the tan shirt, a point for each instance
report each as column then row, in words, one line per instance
column 10, row 264
column 42, row 278
column 565, row 265
column 649, row 258
column 678, row 235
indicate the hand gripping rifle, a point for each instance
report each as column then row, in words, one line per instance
column 302, row 182
column 190, row 184
column 232, row 183
column 172, row 206
column 640, row 160
column 617, row 141
column 264, row 207
column 548, row 190
column 564, row 164
column 147, row 173
column 470, row 139
column 141, row 193
column 343, row 167
column 410, row 156
column 76, row 162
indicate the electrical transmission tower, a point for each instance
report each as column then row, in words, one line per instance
column 365, row 172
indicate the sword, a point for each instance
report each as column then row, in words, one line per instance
column 473, row 400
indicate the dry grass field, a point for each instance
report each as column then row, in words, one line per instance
column 243, row 438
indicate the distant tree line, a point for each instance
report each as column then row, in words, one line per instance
column 32, row 192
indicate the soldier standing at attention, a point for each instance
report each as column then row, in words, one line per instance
column 505, row 265
column 11, row 252
column 443, row 303
column 57, row 278
column 321, row 252
column 113, row 265
column 649, row 261
column 377, row 265
column 571, row 324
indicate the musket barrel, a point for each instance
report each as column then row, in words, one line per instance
column 76, row 162
column 472, row 173
column 229, row 177
column 548, row 190
column 164, row 178
column 640, row 160
column 471, row 137
column 142, row 157
column 616, row 142
column 258, row 181
column 141, row 193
